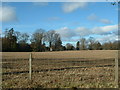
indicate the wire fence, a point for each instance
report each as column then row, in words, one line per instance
column 78, row 71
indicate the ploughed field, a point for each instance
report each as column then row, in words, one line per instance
column 64, row 69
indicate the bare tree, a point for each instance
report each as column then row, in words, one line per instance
column 37, row 39
column 70, row 46
column 38, row 36
column 108, row 46
column 23, row 38
column 83, row 43
column 97, row 46
column 22, row 42
column 51, row 38
column 10, row 40
column 78, row 45
column 57, row 42
column 91, row 41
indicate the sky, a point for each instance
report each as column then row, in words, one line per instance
column 72, row 20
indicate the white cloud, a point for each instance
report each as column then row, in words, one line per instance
column 94, row 17
column 109, row 37
column 65, row 32
column 72, row 6
column 7, row 13
column 0, row 31
column 82, row 31
column 68, row 34
column 105, row 21
column 105, row 29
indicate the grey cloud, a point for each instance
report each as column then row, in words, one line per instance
column 67, row 33
column 72, row 6
column 94, row 17
column 8, row 13
column 105, row 21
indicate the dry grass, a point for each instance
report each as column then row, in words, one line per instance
column 60, row 69
column 63, row 54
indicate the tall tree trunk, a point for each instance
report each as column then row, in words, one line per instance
column 50, row 46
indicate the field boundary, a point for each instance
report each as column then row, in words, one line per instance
column 55, row 69
column 36, row 65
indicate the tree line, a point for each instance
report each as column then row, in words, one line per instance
column 41, row 41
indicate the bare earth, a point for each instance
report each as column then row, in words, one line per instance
column 64, row 69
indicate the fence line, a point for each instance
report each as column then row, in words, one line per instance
column 89, row 62
column 116, row 70
column 30, row 66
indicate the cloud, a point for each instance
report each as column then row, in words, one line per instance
column 72, row 6
column 40, row 3
column 0, row 32
column 105, row 29
column 109, row 37
column 105, row 21
column 68, row 34
column 7, row 13
column 82, row 31
column 94, row 17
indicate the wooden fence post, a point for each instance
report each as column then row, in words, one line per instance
column 116, row 69
column 30, row 66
